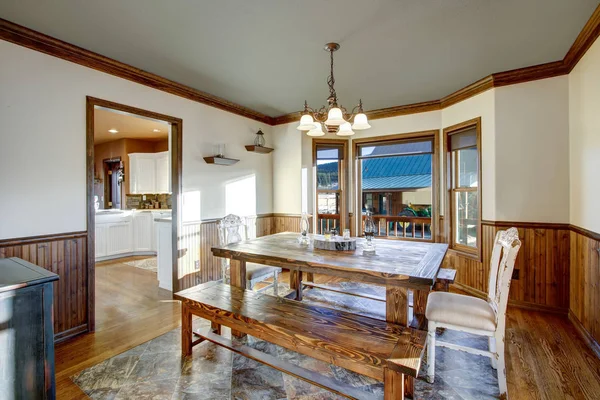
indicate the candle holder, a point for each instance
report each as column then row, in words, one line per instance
column 369, row 247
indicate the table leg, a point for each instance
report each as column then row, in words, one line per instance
column 420, row 304
column 237, row 270
column 296, row 283
column 186, row 330
column 310, row 277
column 396, row 311
column 396, row 305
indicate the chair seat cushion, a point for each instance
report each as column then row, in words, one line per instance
column 254, row 271
column 460, row 310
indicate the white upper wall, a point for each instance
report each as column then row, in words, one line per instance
column 525, row 171
column 584, row 140
column 287, row 169
column 43, row 142
column 532, row 142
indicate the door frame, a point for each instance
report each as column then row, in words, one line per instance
column 176, row 190
column 342, row 179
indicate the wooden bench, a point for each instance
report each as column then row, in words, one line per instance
column 445, row 277
column 378, row 349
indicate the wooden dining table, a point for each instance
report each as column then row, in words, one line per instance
column 400, row 266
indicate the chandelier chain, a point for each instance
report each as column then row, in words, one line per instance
column 331, row 82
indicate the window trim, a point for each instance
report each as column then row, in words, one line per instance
column 356, row 222
column 465, row 251
column 342, row 179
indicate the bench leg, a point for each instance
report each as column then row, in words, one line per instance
column 443, row 286
column 393, row 385
column 216, row 328
column 186, row 330
column 310, row 277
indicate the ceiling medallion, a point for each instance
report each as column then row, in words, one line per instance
column 332, row 117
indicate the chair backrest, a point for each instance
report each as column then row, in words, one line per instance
column 504, row 254
column 232, row 229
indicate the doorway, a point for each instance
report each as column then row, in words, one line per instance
column 133, row 189
column 113, row 178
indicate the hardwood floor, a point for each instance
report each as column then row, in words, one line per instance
column 546, row 358
column 130, row 310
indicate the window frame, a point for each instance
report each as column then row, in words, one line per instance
column 342, row 177
column 450, row 176
column 435, row 171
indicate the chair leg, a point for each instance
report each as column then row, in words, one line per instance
column 431, row 352
column 492, row 347
column 501, row 367
column 276, row 284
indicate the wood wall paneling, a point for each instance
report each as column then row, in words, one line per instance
column 65, row 255
column 585, row 283
column 542, row 264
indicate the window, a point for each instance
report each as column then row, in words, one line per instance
column 396, row 178
column 190, row 202
column 240, row 196
column 463, row 166
column 329, row 162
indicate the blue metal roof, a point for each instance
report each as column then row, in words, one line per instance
column 396, row 166
column 392, row 173
column 397, row 182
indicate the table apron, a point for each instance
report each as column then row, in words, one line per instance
column 359, row 276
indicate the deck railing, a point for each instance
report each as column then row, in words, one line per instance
column 328, row 222
column 401, row 227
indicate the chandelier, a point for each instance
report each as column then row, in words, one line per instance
column 332, row 117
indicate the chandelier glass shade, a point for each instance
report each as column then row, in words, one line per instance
column 332, row 117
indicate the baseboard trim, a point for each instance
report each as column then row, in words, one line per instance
column 124, row 255
column 518, row 304
column 70, row 333
column 585, row 335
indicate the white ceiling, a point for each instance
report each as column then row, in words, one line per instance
column 267, row 54
column 128, row 126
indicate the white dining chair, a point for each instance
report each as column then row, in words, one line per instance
column 474, row 315
column 233, row 229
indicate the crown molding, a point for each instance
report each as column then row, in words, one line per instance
column 584, row 41
column 31, row 39
column 20, row 35
column 587, row 37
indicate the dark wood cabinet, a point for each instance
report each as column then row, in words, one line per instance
column 26, row 331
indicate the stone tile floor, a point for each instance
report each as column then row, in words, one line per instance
column 156, row 370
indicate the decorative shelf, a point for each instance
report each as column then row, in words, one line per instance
column 259, row 149
column 220, row 160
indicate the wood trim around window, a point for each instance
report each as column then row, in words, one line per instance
column 447, row 184
column 435, row 166
column 343, row 181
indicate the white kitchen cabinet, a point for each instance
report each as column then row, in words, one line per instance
column 119, row 237
column 149, row 173
column 100, row 242
column 163, row 176
column 143, row 231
